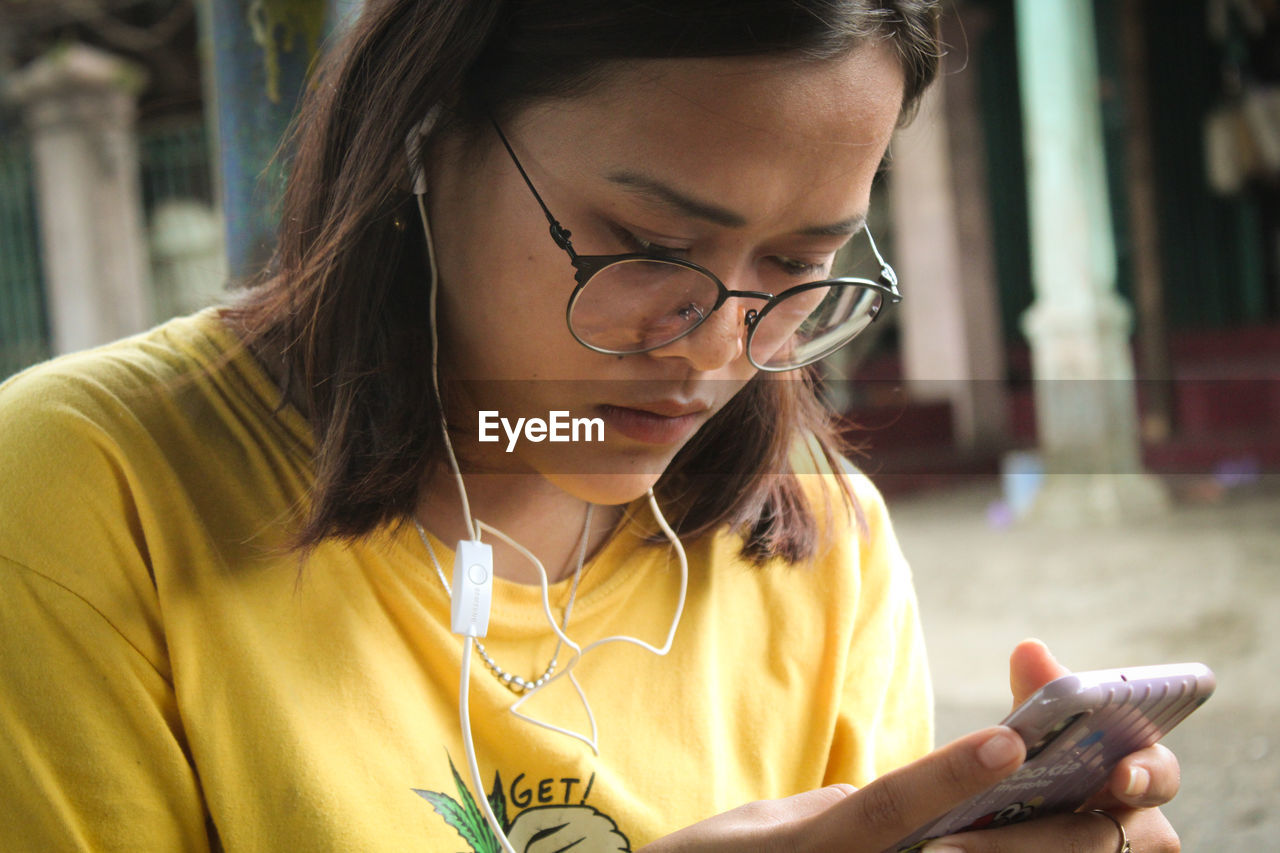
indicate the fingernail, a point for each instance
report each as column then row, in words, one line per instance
column 1138, row 783
column 941, row 847
column 999, row 751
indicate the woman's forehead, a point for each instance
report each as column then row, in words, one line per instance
column 786, row 97
column 751, row 134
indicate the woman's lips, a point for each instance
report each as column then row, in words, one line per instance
column 650, row 427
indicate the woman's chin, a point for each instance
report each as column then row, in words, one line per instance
column 606, row 489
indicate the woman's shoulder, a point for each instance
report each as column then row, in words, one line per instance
column 45, row 408
column 75, row 433
column 131, row 371
column 108, row 445
column 85, row 380
column 138, row 384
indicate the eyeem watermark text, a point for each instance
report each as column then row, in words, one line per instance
column 557, row 427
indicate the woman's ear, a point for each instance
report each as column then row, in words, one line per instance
column 414, row 144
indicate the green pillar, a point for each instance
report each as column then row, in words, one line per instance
column 260, row 52
column 1078, row 326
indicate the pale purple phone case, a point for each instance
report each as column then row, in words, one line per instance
column 1100, row 717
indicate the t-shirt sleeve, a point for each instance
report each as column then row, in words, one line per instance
column 88, row 754
column 886, row 714
column 91, row 751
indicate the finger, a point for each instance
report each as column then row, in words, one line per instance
column 1032, row 666
column 899, row 802
column 1076, row 833
column 1147, row 831
column 1148, row 777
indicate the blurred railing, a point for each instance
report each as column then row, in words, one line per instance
column 184, row 233
column 24, row 332
column 175, row 162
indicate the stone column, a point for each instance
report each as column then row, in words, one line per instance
column 1078, row 326
column 79, row 106
column 189, row 260
column 952, row 347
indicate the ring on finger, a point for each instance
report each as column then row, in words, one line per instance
column 1124, row 836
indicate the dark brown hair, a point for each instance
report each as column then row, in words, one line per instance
column 343, row 304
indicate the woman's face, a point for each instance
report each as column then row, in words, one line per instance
column 757, row 169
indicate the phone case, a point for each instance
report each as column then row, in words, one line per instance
column 1076, row 729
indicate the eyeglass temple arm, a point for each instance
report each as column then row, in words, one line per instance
column 887, row 275
column 558, row 232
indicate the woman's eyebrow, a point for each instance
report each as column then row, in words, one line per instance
column 655, row 190
column 843, row 228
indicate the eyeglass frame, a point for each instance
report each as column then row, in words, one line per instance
column 587, row 267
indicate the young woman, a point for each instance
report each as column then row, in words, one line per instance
column 227, row 544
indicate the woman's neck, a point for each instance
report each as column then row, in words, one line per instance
column 526, row 507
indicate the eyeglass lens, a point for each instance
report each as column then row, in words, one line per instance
column 638, row 305
column 810, row 323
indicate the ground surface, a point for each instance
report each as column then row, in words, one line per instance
column 1201, row 583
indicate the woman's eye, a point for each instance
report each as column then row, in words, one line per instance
column 798, row 268
column 648, row 247
column 690, row 312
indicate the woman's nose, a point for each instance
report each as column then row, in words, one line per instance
column 718, row 341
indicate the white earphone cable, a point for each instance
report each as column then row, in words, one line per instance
column 435, row 371
column 464, row 679
column 468, row 744
column 579, row 651
column 475, row 528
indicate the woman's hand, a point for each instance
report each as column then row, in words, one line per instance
column 870, row 819
column 1141, row 781
column 865, row 820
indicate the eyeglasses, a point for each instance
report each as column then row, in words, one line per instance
column 640, row 301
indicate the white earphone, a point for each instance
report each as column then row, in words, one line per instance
column 471, row 593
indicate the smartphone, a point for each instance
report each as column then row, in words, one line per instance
column 1076, row 728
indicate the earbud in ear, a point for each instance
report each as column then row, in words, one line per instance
column 413, row 145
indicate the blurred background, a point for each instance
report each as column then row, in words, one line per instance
column 1085, row 215
column 1075, row 412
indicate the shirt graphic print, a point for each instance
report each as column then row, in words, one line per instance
column 552, row 815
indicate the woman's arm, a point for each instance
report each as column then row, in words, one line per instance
column 885, row 722
column 91, row 756
column 869, row 819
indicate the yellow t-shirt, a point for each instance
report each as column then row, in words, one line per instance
column 172, row 679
